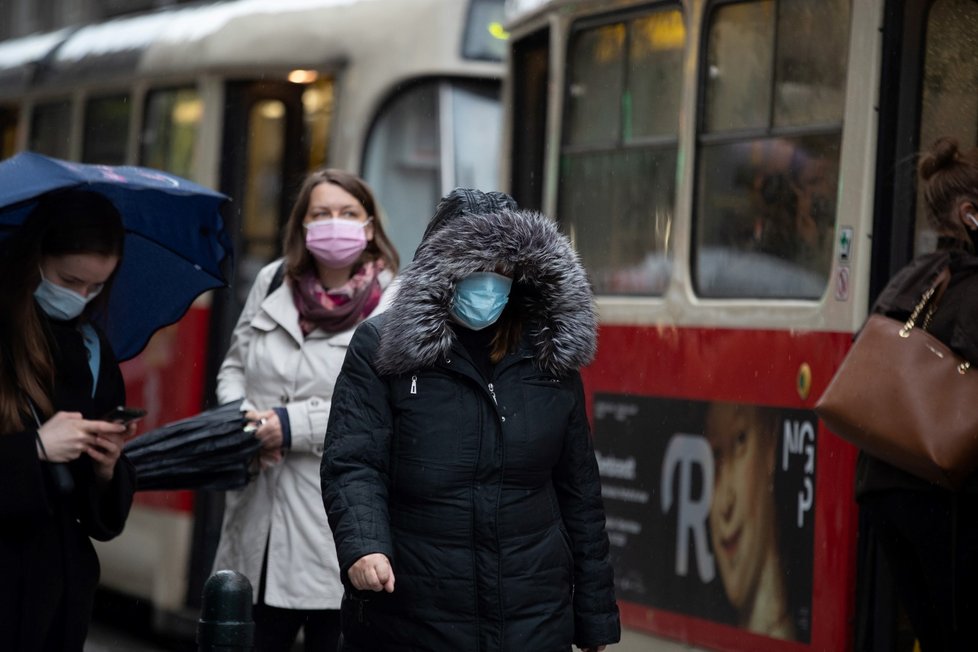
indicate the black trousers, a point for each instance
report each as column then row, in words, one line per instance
column 276, row 629
column 930, row 540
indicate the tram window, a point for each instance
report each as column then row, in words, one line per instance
column 106, row 130
column 738, row 87
column 949, row 105
column 403, row 166
column 171, row 123
column 51, row 129
column 768, row 212
column 476, row 154
column 768, row 166
column 484, row 36
column 8, row 132
column 595, row 91
column 429, row 139
column 655, row 61
column 618, row 160
column 810, row 75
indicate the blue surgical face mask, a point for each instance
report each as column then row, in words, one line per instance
column 59, row 302
column 479, row 299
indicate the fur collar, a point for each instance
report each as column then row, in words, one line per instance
column 559, row 318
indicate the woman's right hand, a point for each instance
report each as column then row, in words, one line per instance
column 372, row 572
column 67, row 435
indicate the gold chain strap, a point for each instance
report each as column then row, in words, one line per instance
column 912, row 321
column 964, row 366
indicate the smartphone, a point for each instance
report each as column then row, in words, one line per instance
column 124, row 415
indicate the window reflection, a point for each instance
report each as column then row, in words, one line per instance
column 768, row 166
column 767, row 216
column 810, row 69
column 617, row 181
column 740, row 53
column 594, row 92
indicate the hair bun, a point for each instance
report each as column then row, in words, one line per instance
column 943, row 153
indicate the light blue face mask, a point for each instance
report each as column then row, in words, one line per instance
column 480, row 298
column 59, row 302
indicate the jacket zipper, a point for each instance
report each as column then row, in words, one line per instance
column 492, row 393
column 414, row 384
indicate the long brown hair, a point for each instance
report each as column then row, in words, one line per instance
column 63, row 223
column 509, row 326
column 298, row 260
column 949, row 175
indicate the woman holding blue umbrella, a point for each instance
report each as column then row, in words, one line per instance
column 63, row 478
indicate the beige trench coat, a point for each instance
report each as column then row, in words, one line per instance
column 270, row 364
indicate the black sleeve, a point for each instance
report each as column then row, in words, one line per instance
column 104, row 509
column 23, row 495
column 578, row 486
column 355, row 465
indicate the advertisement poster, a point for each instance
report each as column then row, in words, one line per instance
column 710, row 509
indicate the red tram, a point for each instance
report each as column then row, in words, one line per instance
column 738, row 177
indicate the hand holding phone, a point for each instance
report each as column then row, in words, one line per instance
column 124, row 415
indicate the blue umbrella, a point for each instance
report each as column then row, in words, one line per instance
column 175, row 237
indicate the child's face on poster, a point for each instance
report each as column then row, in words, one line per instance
column 742, row 515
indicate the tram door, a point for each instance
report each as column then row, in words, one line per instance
column 261, row 166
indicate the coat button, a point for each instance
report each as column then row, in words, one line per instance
column 284, row 398
column 503, row 419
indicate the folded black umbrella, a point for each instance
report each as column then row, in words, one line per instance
column 213, row 450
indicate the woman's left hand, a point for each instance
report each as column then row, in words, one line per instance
column 269, row 431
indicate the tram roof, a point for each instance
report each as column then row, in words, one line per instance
column 223, row 36
column 517, row 10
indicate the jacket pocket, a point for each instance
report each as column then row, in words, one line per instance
column 429, row 417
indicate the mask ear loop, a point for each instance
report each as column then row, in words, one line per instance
column 974, row 220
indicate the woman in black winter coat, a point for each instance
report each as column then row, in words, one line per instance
column 63, row 478
column 929, row 535
column 458, row 476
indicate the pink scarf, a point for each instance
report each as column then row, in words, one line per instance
column 341, row 308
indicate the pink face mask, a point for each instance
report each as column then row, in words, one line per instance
column 336, row 242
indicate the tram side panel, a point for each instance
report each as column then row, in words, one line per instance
column 714, row 473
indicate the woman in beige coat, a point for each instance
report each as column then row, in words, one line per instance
column 286, row 352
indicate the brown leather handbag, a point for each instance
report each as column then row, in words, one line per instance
column 904, row 397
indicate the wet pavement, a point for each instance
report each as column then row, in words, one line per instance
column 104, row 637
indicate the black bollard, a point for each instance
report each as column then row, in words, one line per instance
column 225, row 623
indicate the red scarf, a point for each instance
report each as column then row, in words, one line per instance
column 341, row 308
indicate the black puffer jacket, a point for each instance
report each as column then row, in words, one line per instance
column 484, row 493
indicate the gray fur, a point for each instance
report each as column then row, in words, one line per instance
column 560, row 321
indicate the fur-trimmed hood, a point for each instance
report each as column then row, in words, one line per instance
column 549, row 281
